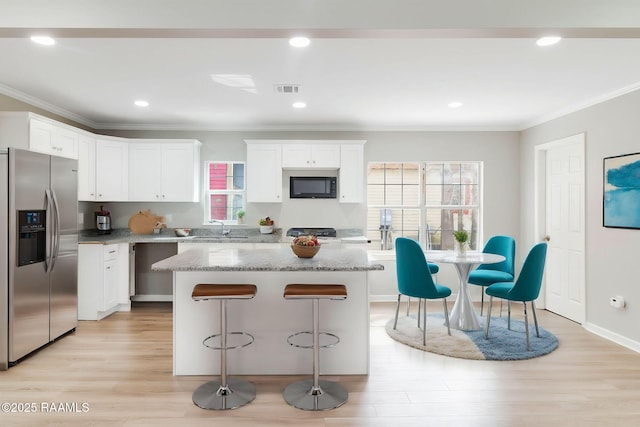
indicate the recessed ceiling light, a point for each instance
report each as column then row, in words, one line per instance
column 299, row 41
column 454, row 104
column 299, row 104
column 548, row 41
column 43, row 40
column 141, row 103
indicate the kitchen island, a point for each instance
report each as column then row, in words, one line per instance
column 268, row 317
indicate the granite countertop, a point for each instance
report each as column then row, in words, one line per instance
column 248, row 235
column 203, row 235
column 270, row 258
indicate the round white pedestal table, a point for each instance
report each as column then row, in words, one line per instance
column 463, row 316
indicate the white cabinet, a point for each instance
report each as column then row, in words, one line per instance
column 112, row 170
column 162, row 171
column 29, row 131
column 351, row 176
column 86, row 168
column 103, row 280
column 264, row 172
column 53, row 139
column 322, row 156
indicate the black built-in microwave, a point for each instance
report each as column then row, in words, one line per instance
column 312, row 187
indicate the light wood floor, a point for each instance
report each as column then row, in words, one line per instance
column 121, row 368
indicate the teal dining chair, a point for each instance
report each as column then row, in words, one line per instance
column 415, row 280
column 525, row 289
column 488, row 274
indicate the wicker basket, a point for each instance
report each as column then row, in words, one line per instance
column 305, row 251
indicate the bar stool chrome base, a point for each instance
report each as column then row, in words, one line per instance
column 213, row 395
column 303, row 395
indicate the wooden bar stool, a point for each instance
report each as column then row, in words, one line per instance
column 228, row 393
column 315, row 395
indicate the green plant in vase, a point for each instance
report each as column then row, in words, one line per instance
column 240, row 215
column 462, row 237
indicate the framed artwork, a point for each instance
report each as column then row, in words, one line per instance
column 621, row 198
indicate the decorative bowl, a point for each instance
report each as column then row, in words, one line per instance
column 305, row 251
column 182, row 232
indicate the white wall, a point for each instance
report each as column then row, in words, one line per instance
column 612, row 267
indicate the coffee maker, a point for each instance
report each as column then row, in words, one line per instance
column 103, row 221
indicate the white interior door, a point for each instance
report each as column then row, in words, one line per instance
column 565, row 201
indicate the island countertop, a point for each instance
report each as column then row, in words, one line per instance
column 267, row 257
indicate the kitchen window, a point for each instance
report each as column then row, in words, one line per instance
column 224, row 191
column 425, row 201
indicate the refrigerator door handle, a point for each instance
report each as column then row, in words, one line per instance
column 49, row 259
column 56, row 230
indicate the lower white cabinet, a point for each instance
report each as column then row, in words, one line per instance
column 103, row 280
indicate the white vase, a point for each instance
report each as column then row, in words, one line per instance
column 266, row 229
column 461, row 249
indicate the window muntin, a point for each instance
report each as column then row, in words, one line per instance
column 428, row 201
column 224, row 191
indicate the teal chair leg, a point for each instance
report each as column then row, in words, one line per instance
column 486, row 326
column 395, row 323
column 446, row 315
column 535, row 318
column 526, row 325
column 424, row 322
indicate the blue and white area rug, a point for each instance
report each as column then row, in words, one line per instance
column 503, row 344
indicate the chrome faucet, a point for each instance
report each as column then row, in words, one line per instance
column 223, row 231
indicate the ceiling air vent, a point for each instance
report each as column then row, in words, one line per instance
column 286, row 88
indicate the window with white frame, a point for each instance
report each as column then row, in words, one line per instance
column 224, row 191
column 425, row 201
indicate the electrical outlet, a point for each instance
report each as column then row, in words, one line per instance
column 617, row 302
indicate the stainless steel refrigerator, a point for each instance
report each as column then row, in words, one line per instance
column 38, row 253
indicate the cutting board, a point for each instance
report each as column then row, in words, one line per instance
column 144, row 222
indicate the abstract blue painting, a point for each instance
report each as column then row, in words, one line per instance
column 621, row 203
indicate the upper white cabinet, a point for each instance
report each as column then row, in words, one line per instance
column 86, row 168
column 264, row 172
column 351, row 177
column 161, row 171
column 112, row 170
column 267, row 158
column 302, row 156
column 29, row 131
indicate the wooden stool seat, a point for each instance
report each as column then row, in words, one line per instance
column 205, row 291
column 320, row 291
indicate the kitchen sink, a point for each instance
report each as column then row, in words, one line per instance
column 219, row 237
column 174, row 238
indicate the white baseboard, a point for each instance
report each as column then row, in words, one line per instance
column 124, row 306
column 152, row 298
column 383, row 298
column 612, row 336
